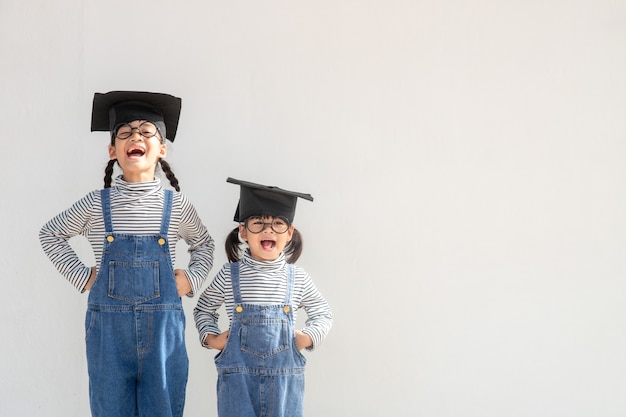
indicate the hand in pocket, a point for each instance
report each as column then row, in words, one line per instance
column 217, row 341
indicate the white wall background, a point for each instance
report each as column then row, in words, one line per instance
column 467, row 164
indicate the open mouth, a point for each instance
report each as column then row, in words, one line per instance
column 268, row 244
column 135, row 152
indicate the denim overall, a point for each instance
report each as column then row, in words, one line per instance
column 261, row 370
column 135, row 323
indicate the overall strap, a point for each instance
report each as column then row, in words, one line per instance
column 290, row 281
column 105, row 202
column 167, row 210
column 234, row 279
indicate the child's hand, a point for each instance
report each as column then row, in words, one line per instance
column 303, row 340
column 217, row 341
column 92, row 278
column 182, row 282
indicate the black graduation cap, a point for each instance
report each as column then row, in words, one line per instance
column 259, row 200
column 116, row 107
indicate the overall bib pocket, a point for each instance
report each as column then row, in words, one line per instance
column 134, row 282
column 264, row 337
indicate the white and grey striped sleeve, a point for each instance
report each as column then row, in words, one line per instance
column 205, row 314
column 201, row 245
column 54, row 238
column 319, row 315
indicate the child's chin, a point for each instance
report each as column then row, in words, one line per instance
column 265, row 256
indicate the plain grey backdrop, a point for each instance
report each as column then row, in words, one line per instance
column 467, row 164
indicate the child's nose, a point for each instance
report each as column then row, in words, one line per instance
column 135, row 134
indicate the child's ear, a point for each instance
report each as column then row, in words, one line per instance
column 290, row 232
column 243, row 232
column 112, row 152
column 163, row 151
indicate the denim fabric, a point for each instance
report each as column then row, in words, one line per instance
column 261, row 370
column 136, row 354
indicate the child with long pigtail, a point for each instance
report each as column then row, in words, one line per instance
column 136, row 355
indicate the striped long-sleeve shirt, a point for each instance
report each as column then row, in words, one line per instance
column 136, row 208
column 264, row 283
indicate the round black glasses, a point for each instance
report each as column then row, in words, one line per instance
column 145, row 129
column 257, row 225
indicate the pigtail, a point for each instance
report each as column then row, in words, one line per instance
column 167, row 170
column 293, row 250
column 108, row 173
column 233, row 246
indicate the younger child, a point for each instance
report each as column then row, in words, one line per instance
column 260, row 366
column 136, row 355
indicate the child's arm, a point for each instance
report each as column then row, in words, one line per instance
column 205, row 314
column 54, row 237
column 320, row 318
column 201, row 247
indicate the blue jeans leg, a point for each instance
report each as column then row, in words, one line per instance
column 112, row 364
column 164, row 364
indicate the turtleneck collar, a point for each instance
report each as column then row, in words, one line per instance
column 277, row 264
column 134, row 190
